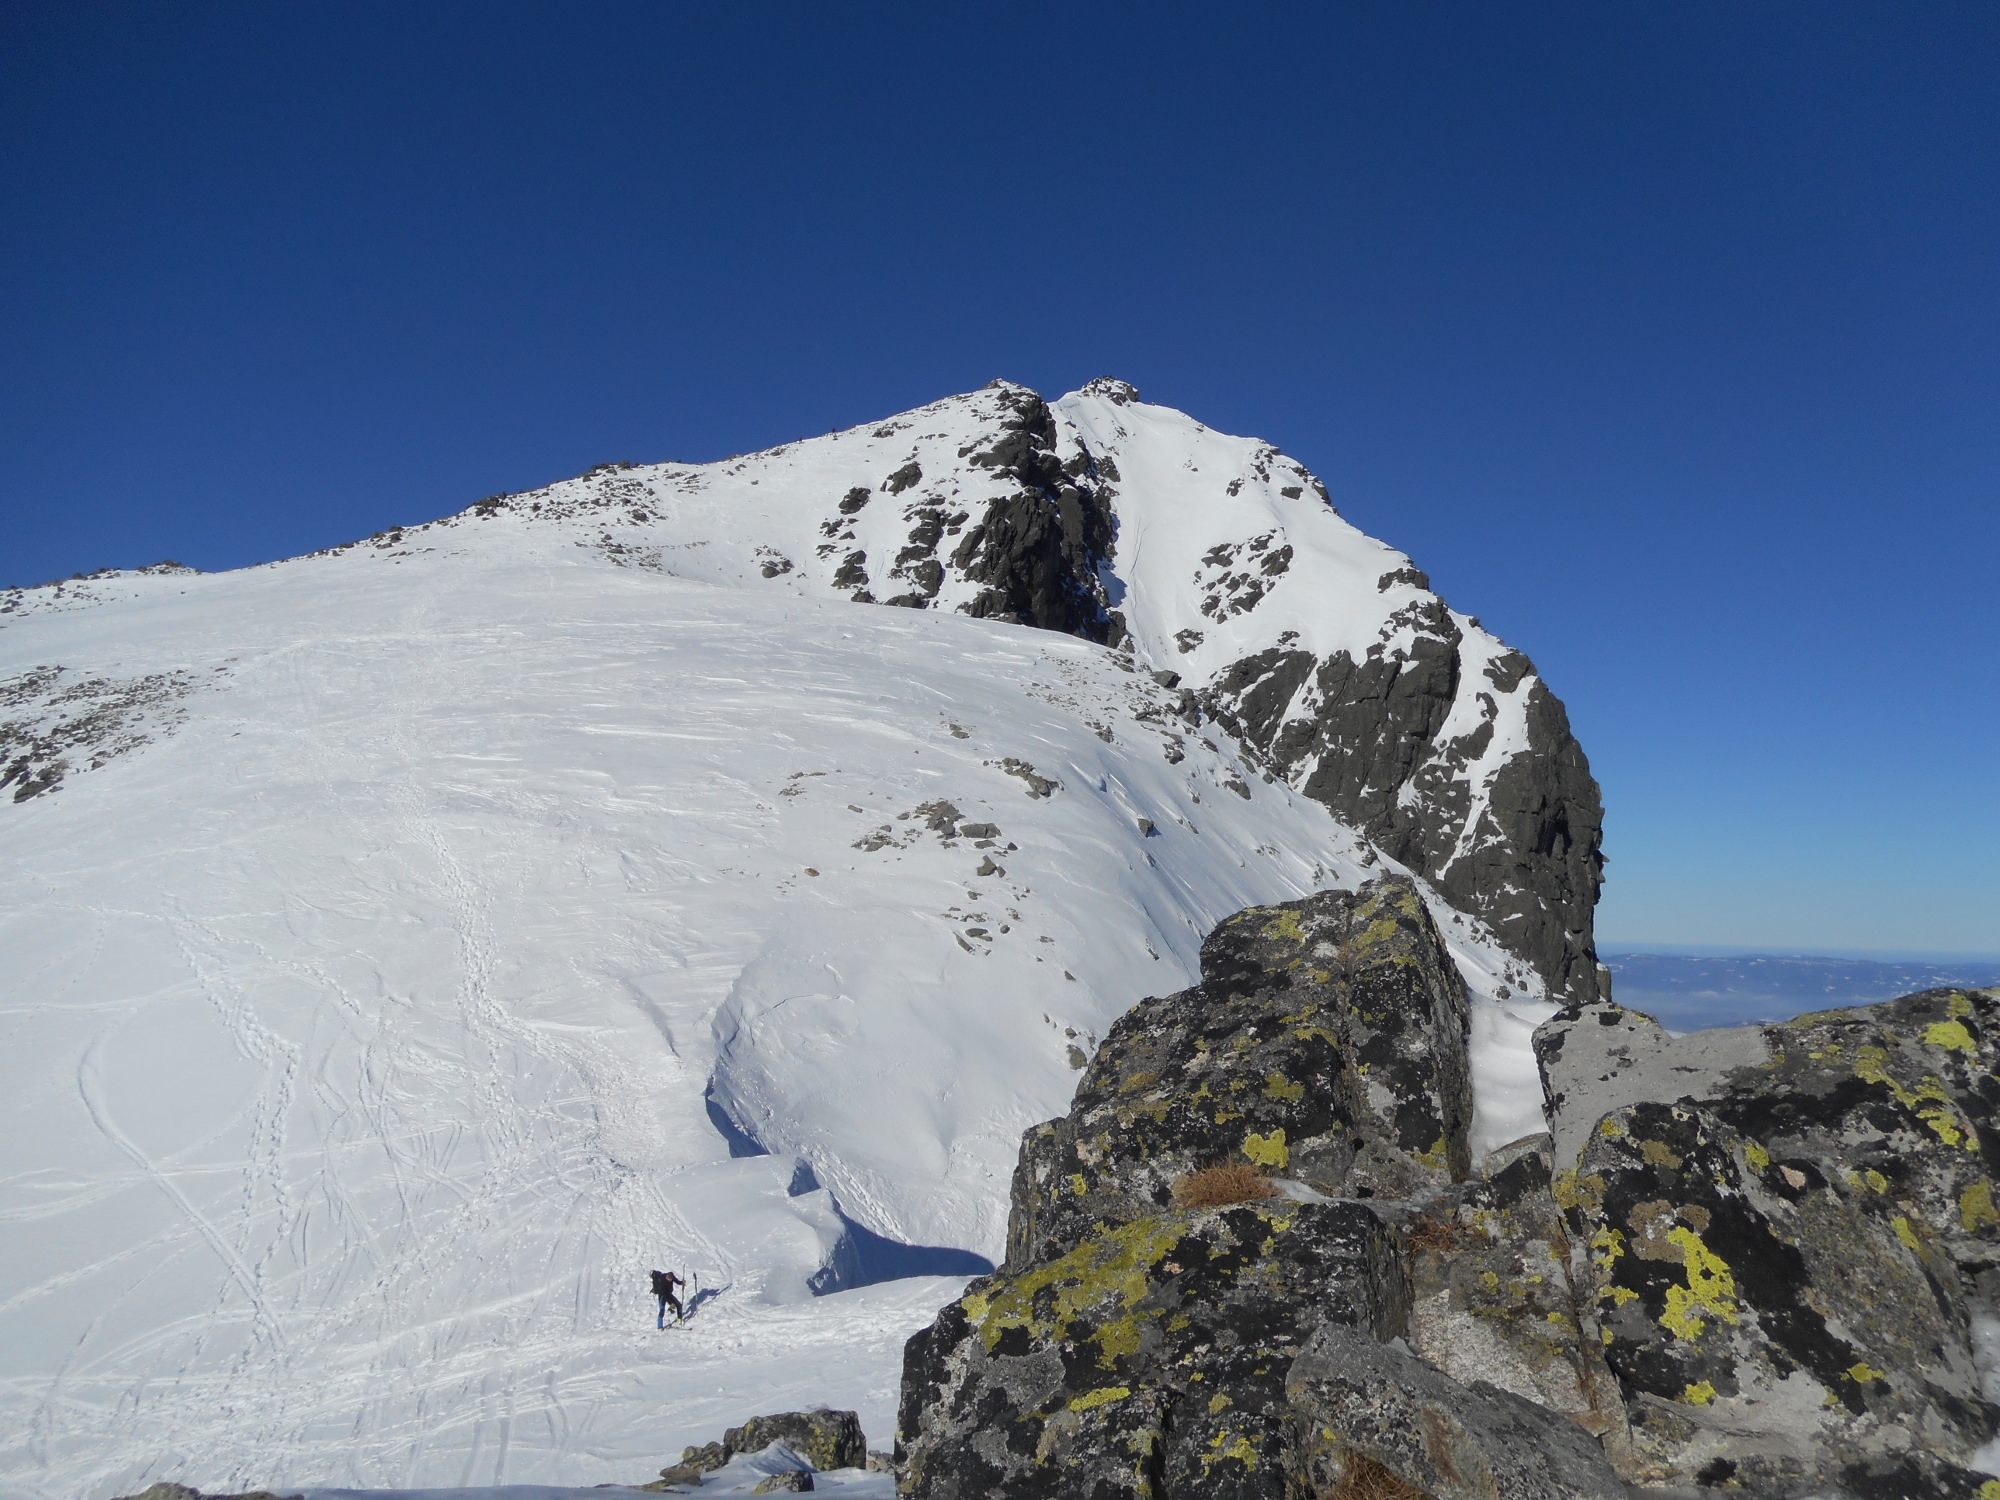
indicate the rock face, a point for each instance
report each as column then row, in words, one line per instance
column 1138, row 1341
column 1148, row 1360
column 1785, row 1254
column 1412, row 722
column 1037, row 552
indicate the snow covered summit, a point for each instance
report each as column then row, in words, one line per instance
column 413, row 944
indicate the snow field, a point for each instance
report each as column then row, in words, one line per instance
column 362, row 1032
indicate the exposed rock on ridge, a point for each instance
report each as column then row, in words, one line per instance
column 1137, row 1344
column 1756, row 1272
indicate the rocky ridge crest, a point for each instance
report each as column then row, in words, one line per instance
column 1754, row 1270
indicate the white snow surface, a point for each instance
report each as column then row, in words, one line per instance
column 363, row 1014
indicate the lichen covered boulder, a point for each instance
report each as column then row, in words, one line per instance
column 1784, row 1264
column 1150, row 1360
column 1325, row 1043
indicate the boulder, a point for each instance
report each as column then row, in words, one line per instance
column 1784, row 1255
column 826, row 1439
column 1453, row 1442
column 1599, row 1057
column 1325, row 1044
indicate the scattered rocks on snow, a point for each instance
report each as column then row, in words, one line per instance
column 60, row 722
column 1038, row 785
column 817, row 1440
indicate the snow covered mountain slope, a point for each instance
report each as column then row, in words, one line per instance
column 1321, row 650
column 405, row 943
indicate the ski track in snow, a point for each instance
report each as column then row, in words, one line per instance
column 359, row 1033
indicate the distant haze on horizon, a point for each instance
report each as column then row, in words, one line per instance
column 1666, row 341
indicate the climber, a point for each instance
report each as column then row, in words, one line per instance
column 664, row 1283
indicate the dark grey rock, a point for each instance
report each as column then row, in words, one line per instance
column 791, row 1482
column 1370, row 750
column 827, row 1439
column 1354, row 1395
column 1037, row 551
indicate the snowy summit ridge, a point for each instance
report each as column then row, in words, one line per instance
column 416, row 941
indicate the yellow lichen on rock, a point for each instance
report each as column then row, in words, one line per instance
column 1711, row 1288
column 1952, row 1036
column 1117, row 1262
column 1278, row 1086
column 1222, row 1447
column 1975, row 1207
column 1102, row 1396
column 1268, row 1150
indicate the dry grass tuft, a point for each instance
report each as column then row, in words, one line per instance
column 1365, row 1479
column 1233, row 1182
column 1432, row 1235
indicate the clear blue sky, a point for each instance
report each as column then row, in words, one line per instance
column 1665, row 337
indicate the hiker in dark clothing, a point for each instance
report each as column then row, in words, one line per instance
column 664, row 1283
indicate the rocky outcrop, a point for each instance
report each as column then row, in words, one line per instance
column 1494, row 1298
column 1037, row 552
column 1252, row 1259
column 1325, row 1043
column 1789, row 1229
column 1139, row 1338
column 1368, row 737
column 1148, row 1360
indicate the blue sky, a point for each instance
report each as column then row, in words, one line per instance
column 1666, row 338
